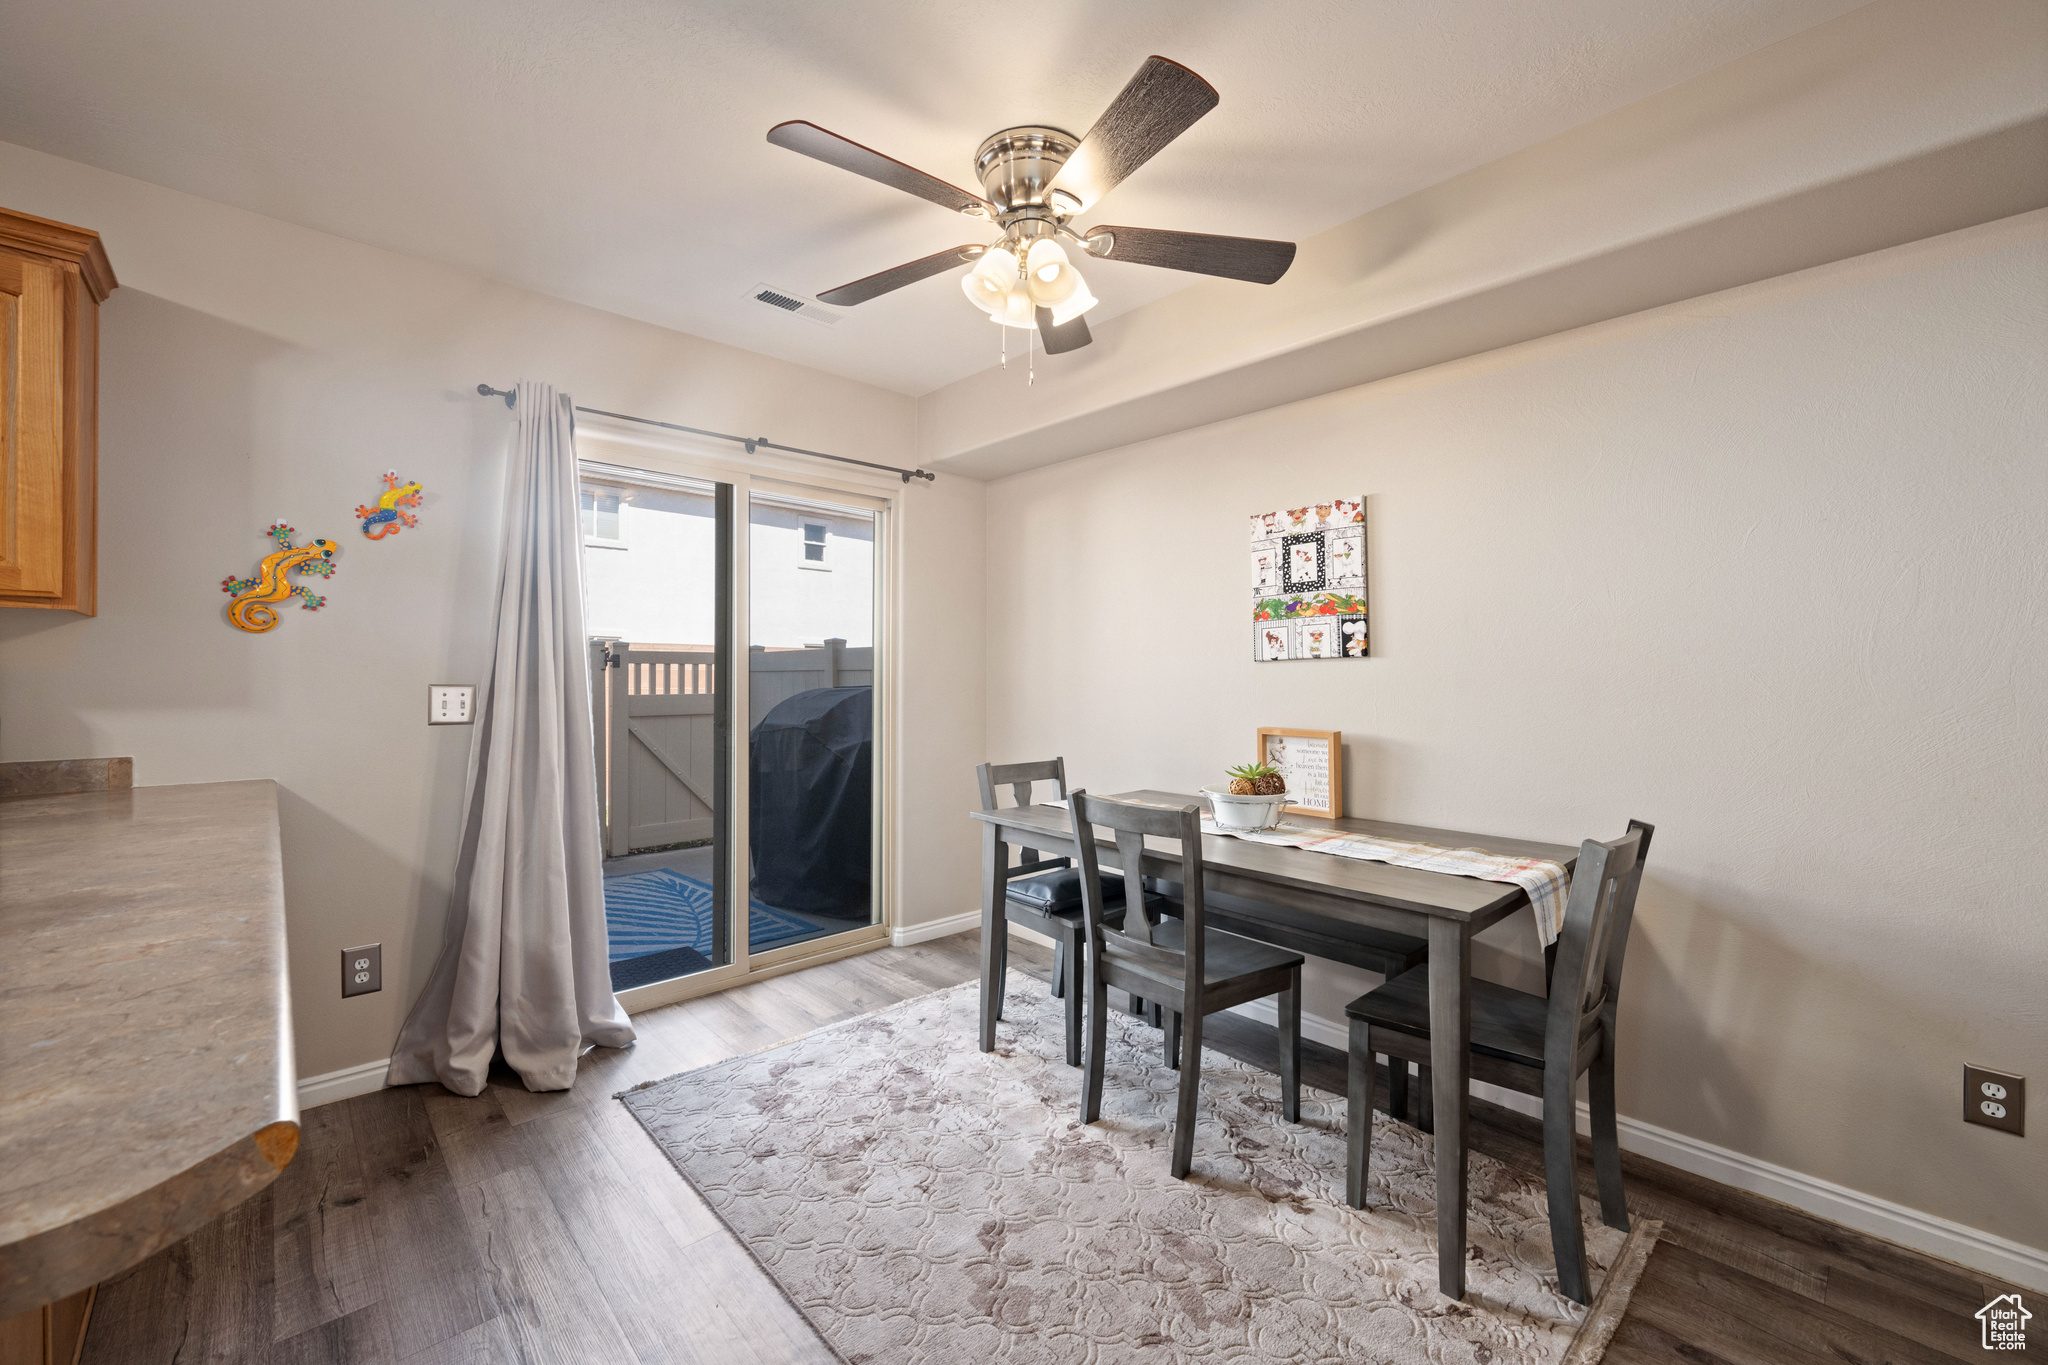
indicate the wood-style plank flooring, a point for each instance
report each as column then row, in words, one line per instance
column 419, row 1227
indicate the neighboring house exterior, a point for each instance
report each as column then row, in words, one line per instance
column 649, row 561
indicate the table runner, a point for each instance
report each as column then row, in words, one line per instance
column 1545, row 881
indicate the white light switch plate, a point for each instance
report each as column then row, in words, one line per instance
column 451, row 703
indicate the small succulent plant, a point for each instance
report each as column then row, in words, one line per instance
column 1256, row 779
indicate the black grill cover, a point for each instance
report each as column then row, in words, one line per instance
column 810, row 798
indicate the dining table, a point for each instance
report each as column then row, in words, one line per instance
column 1295, row 895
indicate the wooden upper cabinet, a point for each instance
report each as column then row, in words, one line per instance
column 53, row 278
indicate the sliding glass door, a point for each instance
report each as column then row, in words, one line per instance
column 810, row 718
column 657, row 592
column 740, row 805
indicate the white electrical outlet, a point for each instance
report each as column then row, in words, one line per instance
column 362, row 970
column 451, row 703
column 1995, row 1099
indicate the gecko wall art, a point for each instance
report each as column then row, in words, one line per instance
column 252, row 610
column 389, row 514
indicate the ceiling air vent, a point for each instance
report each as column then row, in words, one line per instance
column 793, row 303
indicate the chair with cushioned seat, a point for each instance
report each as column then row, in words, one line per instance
column 1044, row 894
column 1531, row 1043
column 1189, row 969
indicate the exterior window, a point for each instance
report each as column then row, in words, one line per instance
column 814, row 545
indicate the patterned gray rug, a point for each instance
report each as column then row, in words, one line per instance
column 920, row 1201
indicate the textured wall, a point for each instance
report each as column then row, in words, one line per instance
column 252, row 370
column 1764, row 569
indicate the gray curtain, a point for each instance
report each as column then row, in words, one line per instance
column 526, row 969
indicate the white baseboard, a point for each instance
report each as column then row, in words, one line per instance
column 903, row 935
column 2008, row 1260
column 1993, row 1255
column 1313, row 1026
column 330, row 1086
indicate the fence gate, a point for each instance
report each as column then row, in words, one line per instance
column 657, row 748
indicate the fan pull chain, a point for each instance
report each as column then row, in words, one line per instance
column 1031, row 352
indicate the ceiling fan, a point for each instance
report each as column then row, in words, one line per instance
column 1034, row 181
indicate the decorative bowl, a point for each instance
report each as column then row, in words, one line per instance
column 1244, row 812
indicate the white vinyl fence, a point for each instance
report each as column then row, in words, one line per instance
column 654, row 728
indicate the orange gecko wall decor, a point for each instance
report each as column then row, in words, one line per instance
column 252, row 608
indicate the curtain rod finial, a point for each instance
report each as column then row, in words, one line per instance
column 486, row 391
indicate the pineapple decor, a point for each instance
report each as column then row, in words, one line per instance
column 1253, row 801
column 1256, row 779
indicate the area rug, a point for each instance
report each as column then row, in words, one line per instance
column 921, row 1201
column 661, row 909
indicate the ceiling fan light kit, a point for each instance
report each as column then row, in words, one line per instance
column 1035, row 180
column 1011, row 292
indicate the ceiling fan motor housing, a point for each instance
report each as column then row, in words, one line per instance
column 1016, row 168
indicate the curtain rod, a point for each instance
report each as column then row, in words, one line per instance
column 750, row 442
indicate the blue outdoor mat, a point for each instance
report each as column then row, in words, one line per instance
column 654, row 912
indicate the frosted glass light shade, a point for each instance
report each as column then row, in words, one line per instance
column 983, row 292
column 1017, row 311
column 1048, row 275
column 1076, row 303
column 999, row 266
column 992, row 281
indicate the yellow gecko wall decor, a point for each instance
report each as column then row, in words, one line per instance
column 388, row 513
column 251, row 609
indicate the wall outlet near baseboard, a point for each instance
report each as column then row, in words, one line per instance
column 362, row 970
column 1995, row 1099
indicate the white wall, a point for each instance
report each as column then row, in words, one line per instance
column 251, row 369
column 656, row 581
column 792, row 601
column 1764, row 568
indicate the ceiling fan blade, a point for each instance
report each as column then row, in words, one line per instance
column 1070, row 335
column 881, row 282
column 848, row 155
column 1234, row 258
column 1161, row 102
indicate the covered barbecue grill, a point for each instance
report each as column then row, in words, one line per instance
column 811, row 798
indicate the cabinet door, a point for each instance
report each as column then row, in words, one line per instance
column 33, row 502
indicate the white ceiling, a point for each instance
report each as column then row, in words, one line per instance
column 612, row 151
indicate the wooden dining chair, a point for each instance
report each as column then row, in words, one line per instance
column 1191, row 970
column 1382, row 952
column 1044, row 892
column 1531, row 1043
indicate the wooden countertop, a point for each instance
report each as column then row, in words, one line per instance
column 146, row 1075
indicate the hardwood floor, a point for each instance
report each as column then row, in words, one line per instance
column 419, row 1227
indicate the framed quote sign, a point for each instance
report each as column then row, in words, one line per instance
column 1312, row 762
